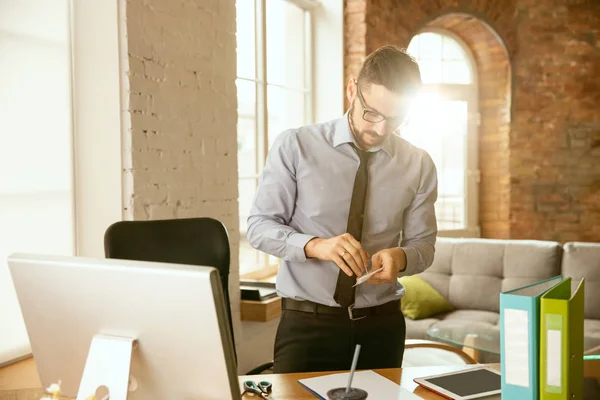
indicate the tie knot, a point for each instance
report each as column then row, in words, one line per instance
column 363, row 155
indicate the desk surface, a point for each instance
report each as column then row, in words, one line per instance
column 20, row 381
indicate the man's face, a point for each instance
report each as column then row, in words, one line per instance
column 375, row 114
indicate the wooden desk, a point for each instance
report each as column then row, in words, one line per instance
column 286, row 386
column 20, row 381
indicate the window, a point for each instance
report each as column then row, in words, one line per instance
column 274, row 83
column 36, row 190
column 451, row 137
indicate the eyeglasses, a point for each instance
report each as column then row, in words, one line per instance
column 375, row 117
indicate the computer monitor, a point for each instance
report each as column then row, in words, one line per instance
column 176, row 313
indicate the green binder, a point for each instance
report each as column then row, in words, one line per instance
column 561, row 342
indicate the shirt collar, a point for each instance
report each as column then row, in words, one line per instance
column 343, row 134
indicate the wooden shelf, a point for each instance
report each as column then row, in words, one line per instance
column 261, row 311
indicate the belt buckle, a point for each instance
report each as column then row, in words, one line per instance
column 352, row 318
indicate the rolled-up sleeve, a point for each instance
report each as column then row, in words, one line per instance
column 274, row 202
column 420, row 225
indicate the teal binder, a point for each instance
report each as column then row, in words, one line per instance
column 520, row 339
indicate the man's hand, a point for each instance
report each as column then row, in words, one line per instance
column 392, row 260
column 343, row 250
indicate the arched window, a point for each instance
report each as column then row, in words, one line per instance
column 444, row 123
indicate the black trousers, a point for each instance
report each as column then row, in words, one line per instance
column 312, row 342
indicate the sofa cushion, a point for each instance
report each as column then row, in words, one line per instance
column 417, row 329
column 582, row 260
column 475, row 291
column 471, row 273
column 487, row 317
column 421, row 300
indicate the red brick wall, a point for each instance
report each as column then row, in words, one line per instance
column 393, row 21
column 555, row 135
column 540, row 141
column 355, row 30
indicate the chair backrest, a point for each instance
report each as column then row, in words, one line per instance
column 193, row 241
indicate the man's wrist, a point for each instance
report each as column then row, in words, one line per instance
column 310, row 246
column 295, row 246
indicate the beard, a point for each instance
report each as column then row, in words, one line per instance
column 365, row 138
column 372, row 135
column 358, row 135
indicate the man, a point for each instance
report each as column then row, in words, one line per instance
column 335, row 200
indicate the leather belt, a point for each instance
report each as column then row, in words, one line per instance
column 390, row 308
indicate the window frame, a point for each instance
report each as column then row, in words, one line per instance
column 261, row 116
column 470, row 94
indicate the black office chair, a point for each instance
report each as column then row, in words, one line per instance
column 192, row 241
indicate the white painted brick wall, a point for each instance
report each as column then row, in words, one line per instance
column 180, row 114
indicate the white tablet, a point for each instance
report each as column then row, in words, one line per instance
column 470, row 383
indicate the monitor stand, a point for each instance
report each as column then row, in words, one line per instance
column 108, row 364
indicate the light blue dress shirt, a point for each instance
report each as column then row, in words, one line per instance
column 305, row 190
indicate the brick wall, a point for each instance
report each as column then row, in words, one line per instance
column 555, row 137
column 538, row 156
column 390, row 21
column 180, row 142
column 355, row 32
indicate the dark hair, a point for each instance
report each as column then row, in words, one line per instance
column 392, row 67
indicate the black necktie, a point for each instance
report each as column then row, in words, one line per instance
column 344, row 290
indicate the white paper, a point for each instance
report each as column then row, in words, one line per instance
column 377, row 386
column 516, row 347
column 366, row 277
column 553, row 353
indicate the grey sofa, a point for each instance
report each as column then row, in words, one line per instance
column 471, row 273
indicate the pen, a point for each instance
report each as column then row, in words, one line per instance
column 354, row 362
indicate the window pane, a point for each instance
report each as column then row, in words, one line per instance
column 247, row 189
column 444, row 138
column 246, row 50
column 246, row 128
column 285, row 110
column 456, row 72
column 250, row 259
column 453, row 141
column 285, row 44
column 441, row 59
column 34, row 81
column 413, row 47
column 431, row 71
column 430, row 46
column 452, row 50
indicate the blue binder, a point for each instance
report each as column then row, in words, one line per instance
column 520, row 339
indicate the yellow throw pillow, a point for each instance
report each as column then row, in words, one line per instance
column 421, row 300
